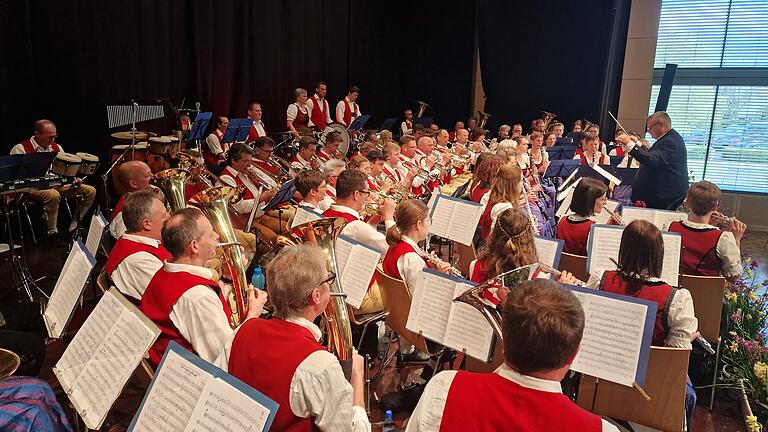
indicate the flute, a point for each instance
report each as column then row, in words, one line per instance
column 549, row 269
column 614, row 215
column 434, row 259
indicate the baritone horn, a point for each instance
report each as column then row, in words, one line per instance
column 171, row 182
column 323, row 233
column 214, row 203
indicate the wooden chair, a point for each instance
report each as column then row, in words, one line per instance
column 103, row 282
column 664, row 383
column 707, row 293
column 364, row 320
column 466, row 256
column 576, row 264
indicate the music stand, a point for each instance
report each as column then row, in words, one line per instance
column 12, row 168
column 562, row 168
column 616, row 160
column 561, row 152
column 459, row 192
column 626, row 175
column 426, row 121
column 564, row 141
column 359, row 122
column 237, row 131
column 389, row 124
column 283, row 194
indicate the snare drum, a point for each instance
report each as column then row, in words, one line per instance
column 175, row 145
column 89, row 165
column 139, row 152
column 66, row 164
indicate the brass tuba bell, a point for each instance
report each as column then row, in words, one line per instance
column 171, row 183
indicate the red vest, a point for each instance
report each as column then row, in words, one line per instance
column 331, row 213
column 323, row 157
column 301, row 120
column 319, row 112
column 699, row 250
column 490, row 402
column 574, row 235
column 271, row 371
column 479, row 272
column 348, row 112
column 619, row 150
column 265, row 166
column 253, row 134
column 658, row 292
column 211, row 158
column 118, row 207
column 162, row 293
column 478, row 192
column 389, row 265
column 485, row 221
column 29, row 148
column 124, row 248
column 600, row 160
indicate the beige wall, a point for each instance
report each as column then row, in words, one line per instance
column 635, row 95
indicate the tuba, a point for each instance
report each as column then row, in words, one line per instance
column 214, row 203
column 548, row 119
column 171, row 182
column 323, row 233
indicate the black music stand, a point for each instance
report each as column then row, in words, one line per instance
column 283, row 195
column 459, row 192
column 565, row 141
column 237, row 131
column 561, row 153
column 426, row 121
column 359, row 122
column 389, row 124
column 14, row 168
column 616, row 160
column 626, row 175
column 562, row 168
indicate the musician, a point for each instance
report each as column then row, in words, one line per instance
column 538, row 126
column 331, row 149
column 507, row 149
column 589, row 152
column 588, row 199
column 483, row 174
column 133, row 176
column 471, row 123
column 406, row 127
column 311, row 185
column 462, row 140
column 550, row 140
column 509, row 246
column 182, row 299
column 517, row 130
column 576, row 128
column 385, row 137
column 282, row 358
column 43, row 140
column 376, row 158
column 558, row 128
column 262, row 148
column 391, row 169
column 215, row 151
column 424, row 158
column 503, row 134
column 138, row 254
column 543, row 325
column 320, row 113
column 594, row 129
column 347, row 109
column 433, row 128
column 662, row 179
column 537, row 154
column 506, row 192
column 333, row 168
column 361, row 163
column 408, row 163
column 257, row 128
column 708, row 251
column 523, row 159
column 638, row 274
column 452, row 135
column 297, row 113
column 303, row 159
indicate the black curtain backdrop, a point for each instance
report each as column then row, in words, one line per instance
column 562, row 57
column 66, row 60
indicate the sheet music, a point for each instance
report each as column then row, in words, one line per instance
column 613, row 335
column 548, row 251
column 670, row 269
column 600, row 170
column 468, row 329
column 357, row 263
column 566, row 197
column 96, row 230
column 304, row 215
column 222, row 407
column 172, row 399
column 431, row 306
column 664, row 218
column 604, row 216
column 67, row 290
column 102, row 366
column 455, row 219
column 660, row 218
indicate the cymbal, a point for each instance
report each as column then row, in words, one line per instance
column 9, row 362
column 129, row 135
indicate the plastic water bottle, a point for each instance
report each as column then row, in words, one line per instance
column 257, row 280
column 389, row 423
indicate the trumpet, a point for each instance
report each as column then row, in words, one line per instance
column 614, row 215
column 283, row 166
column 372, row 205
column 434, row 259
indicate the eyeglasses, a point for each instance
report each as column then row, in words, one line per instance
column 653, row 125
column 331, row 279
column 367, row 192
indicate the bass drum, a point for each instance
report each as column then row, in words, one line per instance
column 342, row 131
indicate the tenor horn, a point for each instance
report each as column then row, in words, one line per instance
column 323, row 233
column 171, row 183
column 214, row 203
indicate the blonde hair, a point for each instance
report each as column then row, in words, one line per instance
column 407, row 214
column 505, row 186
column 357, row 161
column 507, row 149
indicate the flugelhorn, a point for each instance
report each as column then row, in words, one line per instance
column 214, row 203
column 171, row 182
column 323, row 233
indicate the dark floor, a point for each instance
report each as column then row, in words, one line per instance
column 47, row 262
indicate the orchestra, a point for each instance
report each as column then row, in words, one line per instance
column 173, row 261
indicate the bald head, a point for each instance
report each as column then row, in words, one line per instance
column 426, row 144
column 134, row 175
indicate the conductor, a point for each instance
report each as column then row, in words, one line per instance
column 662, row 179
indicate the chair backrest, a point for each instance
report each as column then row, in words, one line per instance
column 474, row 365
column 103, row 282
column 466, row 256
column 664, row 383
column 707, row 293
column 576, row 264
column 397, row 301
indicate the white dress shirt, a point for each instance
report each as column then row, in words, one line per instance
column 300, row 163
column 259, row 125
column 681, row 318
column 310, row 393
column 363, row 232
column 410, row 265
column 19, row 148
column 404, row 129
column 341, row 108
column 429, row 412
column 133, row 274
column 727, row 250
column 227, row 178
column 293, row 111
column 311, row 107
column 199, row 316
column 117, row 226
column 405, row 165
column 214, row 143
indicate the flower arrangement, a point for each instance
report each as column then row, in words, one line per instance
column 745, row 354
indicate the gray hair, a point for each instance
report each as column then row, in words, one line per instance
column 333, row 167
column 180, row 229
column 662, row 117
column 508, row 149
column 292, row 275
column 138, row 206
column 299, row 91
column 505, row 128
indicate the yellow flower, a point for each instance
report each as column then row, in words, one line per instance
column 732, row 333
column 748, row 272
column 734, row 346
column 731, row 296
column 752, row 296
column 749, row 316
column 761, row 372
column 753, row 425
